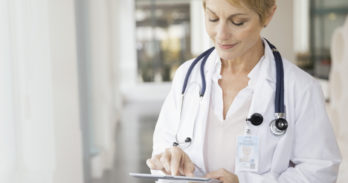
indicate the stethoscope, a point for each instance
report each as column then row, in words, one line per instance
column 278, row 126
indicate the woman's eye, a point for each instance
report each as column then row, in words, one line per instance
column 238, row 23
column 213, row 19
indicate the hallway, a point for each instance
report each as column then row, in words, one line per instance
column 133, row 143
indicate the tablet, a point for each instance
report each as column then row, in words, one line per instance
column 169, row 177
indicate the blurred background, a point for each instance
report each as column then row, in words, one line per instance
column 82, row 81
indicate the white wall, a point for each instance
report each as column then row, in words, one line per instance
column 7, row 126
column 301, row 26
column 40, row 126
column 65, row 98
column 280, row 31
column 104, row 85
column 126, row 43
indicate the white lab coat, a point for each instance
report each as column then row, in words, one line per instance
column 309, row 143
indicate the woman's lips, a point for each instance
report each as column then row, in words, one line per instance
column 227, row 46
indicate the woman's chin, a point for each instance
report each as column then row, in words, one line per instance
column 226, row 55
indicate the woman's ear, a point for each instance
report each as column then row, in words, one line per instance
column 270, row 15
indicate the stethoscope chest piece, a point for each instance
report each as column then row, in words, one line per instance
column 279, row 126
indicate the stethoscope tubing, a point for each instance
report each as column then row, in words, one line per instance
column 279, row 106
column 205, row 56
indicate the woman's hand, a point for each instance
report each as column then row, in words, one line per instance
column 173, row 161
column 223, row 175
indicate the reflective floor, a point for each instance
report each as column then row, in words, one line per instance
column 133, row 144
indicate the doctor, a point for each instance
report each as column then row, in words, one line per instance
column 206, row 133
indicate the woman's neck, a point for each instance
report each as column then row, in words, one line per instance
column 245, row 63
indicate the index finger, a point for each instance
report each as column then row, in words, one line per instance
column 176, row 160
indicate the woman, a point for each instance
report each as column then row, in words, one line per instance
column 241, row 80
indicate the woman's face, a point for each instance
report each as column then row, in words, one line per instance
column 234, row 30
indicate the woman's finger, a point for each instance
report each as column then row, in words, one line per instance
column 150, row 164
column 165, row 160
column 176, row 158
column 189, row 167
column 154, row 163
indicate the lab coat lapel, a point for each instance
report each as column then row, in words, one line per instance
column 261, row 103
column 264, row 90
column 204, row 117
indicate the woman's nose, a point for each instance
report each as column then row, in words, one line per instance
column 223, row 32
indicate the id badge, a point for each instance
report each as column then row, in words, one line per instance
column 247, row 158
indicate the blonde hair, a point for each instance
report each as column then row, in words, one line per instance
column 261, row 7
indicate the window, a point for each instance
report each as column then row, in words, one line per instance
column 163, row 36
column 326, row 17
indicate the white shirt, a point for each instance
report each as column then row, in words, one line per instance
column 221, row 135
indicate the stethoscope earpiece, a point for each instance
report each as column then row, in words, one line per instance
column 188, row 140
